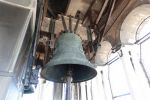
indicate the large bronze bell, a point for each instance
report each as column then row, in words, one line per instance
column 68, row 55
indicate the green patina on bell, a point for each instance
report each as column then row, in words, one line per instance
column 69, row 53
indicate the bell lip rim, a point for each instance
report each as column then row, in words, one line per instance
column 94, row 74
column 72, row 81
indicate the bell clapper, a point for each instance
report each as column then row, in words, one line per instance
column 68, row 84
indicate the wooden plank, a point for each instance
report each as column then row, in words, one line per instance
column 116, row 13
column 45, row 8
column 78, row 5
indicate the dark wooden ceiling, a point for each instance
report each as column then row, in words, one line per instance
column 107, row 17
